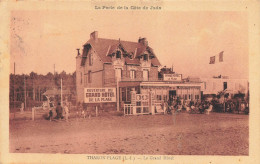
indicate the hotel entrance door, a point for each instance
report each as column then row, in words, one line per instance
column 172, row 93
column 172, row 96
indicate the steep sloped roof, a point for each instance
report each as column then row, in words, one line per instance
column 105, row 46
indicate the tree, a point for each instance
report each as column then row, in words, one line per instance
column 63, row 75
column 33, row 75
column 49, row 76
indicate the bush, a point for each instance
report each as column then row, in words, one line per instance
column 120, row 113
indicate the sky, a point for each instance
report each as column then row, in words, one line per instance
column 184, row 39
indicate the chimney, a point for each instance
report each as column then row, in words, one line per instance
column 94, row 35
column 143, row 41
column 78, row 51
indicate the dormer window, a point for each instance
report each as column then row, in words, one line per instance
column 145, row 57
column 118, row 54
column 131, row 56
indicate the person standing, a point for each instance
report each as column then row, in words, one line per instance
column 50, row 114
column 66, row 110
column 22, row 107
column 237, row 106
column 59, row 111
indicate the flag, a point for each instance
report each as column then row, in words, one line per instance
column 221, row 56
column 212, row 60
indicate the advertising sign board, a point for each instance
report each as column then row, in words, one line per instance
column 99, row 95
column 172, row 77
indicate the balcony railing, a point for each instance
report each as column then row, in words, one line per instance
column 113, row 80
column 140, row 79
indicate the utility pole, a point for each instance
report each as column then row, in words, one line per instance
column 14, row 82
column 14, row 91
column 54, row 70
column 33, row 89
column 24, row 92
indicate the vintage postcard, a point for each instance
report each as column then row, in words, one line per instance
column 129, row 81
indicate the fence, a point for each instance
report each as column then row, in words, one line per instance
column 128, row 109
column 143, row 104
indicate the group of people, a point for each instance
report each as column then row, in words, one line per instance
column 190, row 106
column 59, row 111
column 232, row 106
column 83, row 112
column 63, row 110
column 202, row 106
column 199, row 106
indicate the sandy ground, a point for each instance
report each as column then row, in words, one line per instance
column 183, row 134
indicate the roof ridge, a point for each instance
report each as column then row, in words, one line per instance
column 120, row 40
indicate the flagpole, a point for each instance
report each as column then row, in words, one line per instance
column 220, row 56
column 218, row 65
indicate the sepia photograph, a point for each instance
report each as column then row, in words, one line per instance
column 117, row 81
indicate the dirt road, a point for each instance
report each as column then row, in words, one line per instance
column 183, row 134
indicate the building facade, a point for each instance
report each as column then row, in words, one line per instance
column 108, row 63
column 232, row 86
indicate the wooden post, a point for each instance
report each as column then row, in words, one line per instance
column 33, row 113
column 96, row 111
column 124, row 109
column 224, row 104
column 117, row 94
column 133, row 101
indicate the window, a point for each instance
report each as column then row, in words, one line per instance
column 90, row 59
column 123, row 94
column 85, row 79
column 118, row 73
column 89, row 76
column 131, row 56
column 128, row 94
column 132, row 74
column 145, row 75
column 145, row 57
column 225, row 85
column 165, row 97
column 118, row 54
column 185, row 97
